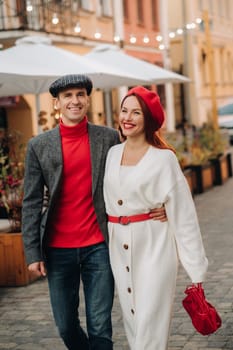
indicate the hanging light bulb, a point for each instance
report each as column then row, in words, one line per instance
column 172, row 35
column 55, row 19
column 161, row 46
column 117, row 38
column 179, row 31
column 77, row 28
column 159, row 38
column 133, row 39
column 146, row 39
column 190, row 25
column 97, row 34
column 29, row 6
column 198, row 20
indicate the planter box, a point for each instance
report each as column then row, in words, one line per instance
column 229, row 162
column 188, row 173
column 13, row 268
column 203, row 177
column 222, row 168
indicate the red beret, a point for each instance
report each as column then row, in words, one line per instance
column 152, row 101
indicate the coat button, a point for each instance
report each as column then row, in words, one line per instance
column 127, row 268
column 126, row 246
column 120, row 201
column 132, row 311
column 129, row 290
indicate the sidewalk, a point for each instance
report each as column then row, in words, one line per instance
column 25, row 316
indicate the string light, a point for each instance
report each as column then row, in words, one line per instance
column 198, row 20
column 146, row 39
column 179, row 31
column 29, row 6
column 55, row 19
column 117, row 38
column 161, row 46
column 159, row 38
column 133, row 39
column 172, row 35
column 97, row 34
column 77, row 28
column 190, row 25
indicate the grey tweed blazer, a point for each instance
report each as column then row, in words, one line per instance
column 43, row 169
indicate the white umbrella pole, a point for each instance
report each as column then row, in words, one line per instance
column 108, row 107
column 39, row 129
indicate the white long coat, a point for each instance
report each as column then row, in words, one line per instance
column 144, row 255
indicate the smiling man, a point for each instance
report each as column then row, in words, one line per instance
column 68, row 240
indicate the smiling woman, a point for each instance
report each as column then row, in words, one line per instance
column 143, row 173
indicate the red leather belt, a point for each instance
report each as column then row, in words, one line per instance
column 125, row 220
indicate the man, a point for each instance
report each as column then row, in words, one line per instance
column 67, row 240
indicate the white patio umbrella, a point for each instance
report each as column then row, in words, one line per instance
column 113, row 57
column 33, row 64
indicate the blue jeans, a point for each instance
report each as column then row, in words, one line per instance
column 65, row 267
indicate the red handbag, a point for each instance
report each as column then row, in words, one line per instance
column 204, row 316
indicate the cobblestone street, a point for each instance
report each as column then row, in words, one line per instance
column 25, row 317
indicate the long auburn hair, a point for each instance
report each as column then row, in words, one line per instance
column 151, row 126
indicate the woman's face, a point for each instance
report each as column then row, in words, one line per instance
column 131, row 118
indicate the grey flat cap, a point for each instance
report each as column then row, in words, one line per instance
column 69, row 81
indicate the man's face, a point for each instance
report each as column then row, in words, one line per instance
column 73, row 104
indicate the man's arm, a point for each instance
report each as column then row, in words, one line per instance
column 32, row 206
column 159, row 214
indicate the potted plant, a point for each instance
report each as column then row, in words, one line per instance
column 14, row 271
column 215, row 141
column 11, row 178
column 180, row 142
column 202, row 170
column 193, row 157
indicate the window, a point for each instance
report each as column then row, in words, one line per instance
column 105, row 8
column 126, row 10
column 228, row 9
column 21, row 9
column 140, row 13
column 200, row 5
column 154, row 14
column 85, row 5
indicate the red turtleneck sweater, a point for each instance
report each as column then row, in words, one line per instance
column 74, row 223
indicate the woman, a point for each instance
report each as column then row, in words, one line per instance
column 143, row 173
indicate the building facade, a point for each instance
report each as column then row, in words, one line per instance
column 73, row 25
column 201, row 47
column 135, row 26
column 77, row 26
